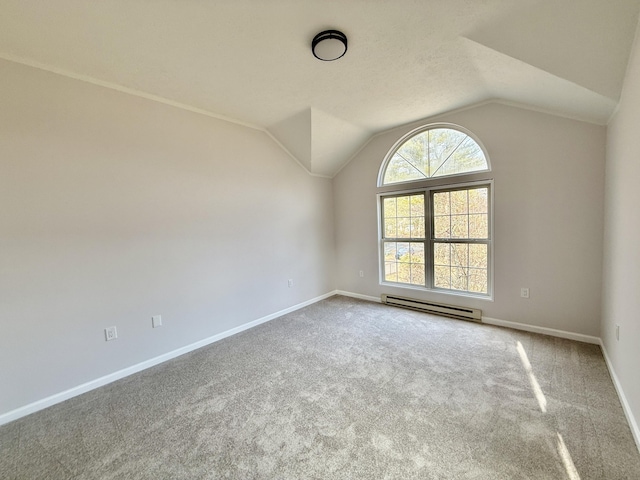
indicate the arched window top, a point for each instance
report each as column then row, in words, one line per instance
column 431, row 152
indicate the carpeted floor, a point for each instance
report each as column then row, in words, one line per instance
column 343, row 389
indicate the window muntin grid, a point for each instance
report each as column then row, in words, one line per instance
column 452, row 253
column 403, row 246
column 460, row 239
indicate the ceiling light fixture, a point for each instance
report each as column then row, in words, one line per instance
column 329, row 45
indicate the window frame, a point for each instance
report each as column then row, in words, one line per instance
column 428, row 188
column 417, row 131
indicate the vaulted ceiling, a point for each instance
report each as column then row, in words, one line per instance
column 250, row 61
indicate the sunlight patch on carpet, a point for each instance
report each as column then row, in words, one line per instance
column 569, row 466
column 535, row 386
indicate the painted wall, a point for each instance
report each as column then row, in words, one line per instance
column 114, row 208
column 548, row 215
column 621, row 284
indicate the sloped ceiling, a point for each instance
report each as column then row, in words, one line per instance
column 249, row 61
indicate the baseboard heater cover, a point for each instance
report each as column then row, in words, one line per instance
column 464, row 313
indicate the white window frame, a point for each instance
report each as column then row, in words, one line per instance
column 429, row 240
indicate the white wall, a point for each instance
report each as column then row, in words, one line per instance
column 621, row 284
column 114, row 208
column 548, row 193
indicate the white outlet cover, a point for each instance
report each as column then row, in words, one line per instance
column 156, row 321
column 110, row 333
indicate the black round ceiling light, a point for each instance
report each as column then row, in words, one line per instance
column 329, row 45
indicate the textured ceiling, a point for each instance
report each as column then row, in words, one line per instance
column 250, row 60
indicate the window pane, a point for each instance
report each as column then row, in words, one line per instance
column 478, row 256
column 416, row 152
column 389, row 207
column 400, row 170
column 459, row 202
column 390, row 228
column 417, row 227
column 442, row 277
column 478, row 280
column 404, row 227
column 417, row 205
column 479, row 225
column 479, row 200
column 459, row 279
column 460, row 254
column 443, row 142
column 402, row 253
column 467, row 157
column 404, row 209
column 459, row 226
column 417, row 253
column 442, row 254
column 404, row 272
column 390, row 251
column 417, row 274
column 441, row 203
column 442, row 227
column 390, row 272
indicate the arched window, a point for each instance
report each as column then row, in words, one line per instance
column 433, row 151
column 434, row 236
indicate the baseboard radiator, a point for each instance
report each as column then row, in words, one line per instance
column 463, row 313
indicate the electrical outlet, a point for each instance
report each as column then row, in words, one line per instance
column 290, row 282
column 524, row 292
column 156, row 321
column 618, row 333
column 361, row 274
column 110, row 333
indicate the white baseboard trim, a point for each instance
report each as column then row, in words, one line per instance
column 543, row 330
column 633, row 424
column 358, row 295
column 112, row 377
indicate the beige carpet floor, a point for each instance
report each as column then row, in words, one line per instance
column 343, row 389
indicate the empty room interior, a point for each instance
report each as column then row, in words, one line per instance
column 241, row 239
